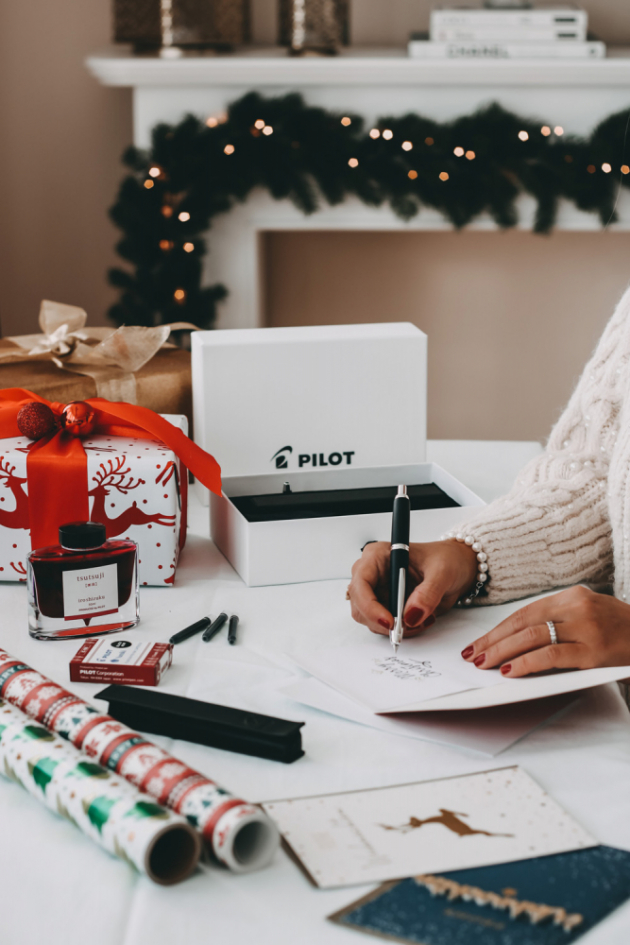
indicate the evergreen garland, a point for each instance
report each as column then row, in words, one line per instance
column 475, row 164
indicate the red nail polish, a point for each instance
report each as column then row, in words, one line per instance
column 468, row 652
column 429, row 622
column 506, row 669
column 383, row 623
column 480, row 659
column 413, row 616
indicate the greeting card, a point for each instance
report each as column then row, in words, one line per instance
column 551, row 900
column 453, row 823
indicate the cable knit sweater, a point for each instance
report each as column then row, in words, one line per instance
column 567, row 517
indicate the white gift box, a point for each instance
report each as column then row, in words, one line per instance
column 135, row 489
column 323, row 408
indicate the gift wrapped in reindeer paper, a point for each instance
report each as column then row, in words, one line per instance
column 129, row 472
column 102, row 805
column 68, row 361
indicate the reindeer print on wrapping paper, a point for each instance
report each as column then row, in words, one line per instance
column 18, row 518
column 449, row 819
column 112, row 474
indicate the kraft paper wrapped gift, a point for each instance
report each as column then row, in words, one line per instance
column 163, row 385
column 121, row 475
column 69, row 361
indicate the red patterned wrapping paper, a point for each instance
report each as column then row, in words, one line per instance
column 220, row 817
column 130, row 475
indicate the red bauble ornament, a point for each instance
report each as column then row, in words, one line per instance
column 36, row 420
column 78, row 418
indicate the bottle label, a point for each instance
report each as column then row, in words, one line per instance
column 90, row 591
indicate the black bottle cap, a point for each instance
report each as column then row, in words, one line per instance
column 82, row 535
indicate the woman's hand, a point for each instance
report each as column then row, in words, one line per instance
column 440, row 573
column 592, row 630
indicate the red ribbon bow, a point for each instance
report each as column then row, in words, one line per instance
column 57, row 464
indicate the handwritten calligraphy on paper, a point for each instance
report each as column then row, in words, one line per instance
column 403, row 668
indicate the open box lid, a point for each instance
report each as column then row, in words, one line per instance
column 268, row 399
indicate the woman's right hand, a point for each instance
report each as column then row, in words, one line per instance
column 440, row 572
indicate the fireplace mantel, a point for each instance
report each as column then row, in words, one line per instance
column 354, row 66
column 373, row 83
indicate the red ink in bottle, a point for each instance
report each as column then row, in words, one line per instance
column 83, row 587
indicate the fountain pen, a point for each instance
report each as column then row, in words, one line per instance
column 399, row 563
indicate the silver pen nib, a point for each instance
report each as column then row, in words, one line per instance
column 396, row 633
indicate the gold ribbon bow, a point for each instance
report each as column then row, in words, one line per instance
column 110, row 356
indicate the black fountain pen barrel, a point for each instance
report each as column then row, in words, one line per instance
column 401, row 519
column 399, row 556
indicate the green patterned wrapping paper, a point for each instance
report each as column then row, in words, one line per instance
column 105, row 807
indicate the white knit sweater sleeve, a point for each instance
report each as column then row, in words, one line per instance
column 553, row 528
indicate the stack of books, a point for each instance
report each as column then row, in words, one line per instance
column 507, row 32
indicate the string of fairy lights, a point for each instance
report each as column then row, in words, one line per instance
column 476, row 164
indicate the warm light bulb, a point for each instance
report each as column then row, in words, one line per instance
column 149, row 184
column 212, row 122
column 353, row 162
column 412, row 175
column 167, row 211
column 165, row 245
column 545, row 130
column 179, row 295
column 260, row 124
column 375, row 133
column 558, row 130
column 406, row 145
column 388, row 134
column 346, row 121
column 429, row 141
column 591, row 168
column 229, row 149
column 458, row 152
column 267, row 130
column 625, row 169
column 183, row 216
column 523, row 136
column 443, row 175
column 154, row 172
column 471, row 155
column 188, row 247
column 607, row 168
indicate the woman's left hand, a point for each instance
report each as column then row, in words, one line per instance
column 592, row 629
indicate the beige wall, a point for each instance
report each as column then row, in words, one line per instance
column 511, row 317
column 61, row 136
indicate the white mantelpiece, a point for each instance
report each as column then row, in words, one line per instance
column 373, row 83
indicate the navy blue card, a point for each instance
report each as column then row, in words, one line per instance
column 550, row 900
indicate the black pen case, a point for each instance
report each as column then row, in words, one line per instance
column 218, row 726
column 332, row 502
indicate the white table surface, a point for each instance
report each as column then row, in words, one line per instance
column 58, row 887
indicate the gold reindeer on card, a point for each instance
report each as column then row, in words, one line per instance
column 450, row 820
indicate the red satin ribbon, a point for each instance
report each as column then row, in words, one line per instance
column 57, row 465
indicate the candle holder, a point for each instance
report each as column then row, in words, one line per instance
column 176, row 25
column 315, row 27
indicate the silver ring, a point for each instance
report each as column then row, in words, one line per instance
column 552, row 631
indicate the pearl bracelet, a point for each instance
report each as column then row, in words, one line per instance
column 482, row 559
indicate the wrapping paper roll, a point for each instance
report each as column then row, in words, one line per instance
column 240, row 835
column 110, row 811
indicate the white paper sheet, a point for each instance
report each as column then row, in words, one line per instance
column 486, row 731
column 373, row 676
column 430, row 827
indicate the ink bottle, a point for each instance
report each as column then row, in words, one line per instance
column 83, row 587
